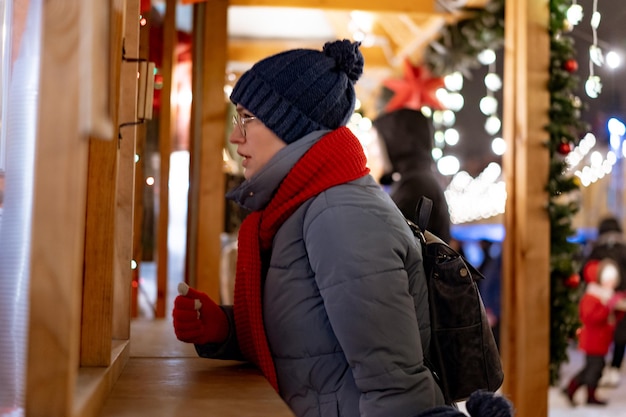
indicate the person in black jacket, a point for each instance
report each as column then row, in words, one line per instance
column 408, row 139
column 611, row 244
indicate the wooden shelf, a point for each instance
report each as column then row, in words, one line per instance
column 164, row 377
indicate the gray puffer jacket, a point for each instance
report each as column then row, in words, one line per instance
column 345, row 302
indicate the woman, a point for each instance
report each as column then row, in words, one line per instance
column 330, row 294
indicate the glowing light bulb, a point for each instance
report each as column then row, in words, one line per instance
column 492, row 125
column 498, row 146
column 493, row 81
column 488, row 105
column 451, row 136
column 454, row 81
column 593, row 86
column 448, row 165
column 613, row 59
column 486, row 57
column 575, row 14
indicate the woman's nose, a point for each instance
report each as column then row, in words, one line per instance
column 236, row 136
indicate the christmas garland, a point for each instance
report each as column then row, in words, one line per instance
column 565, row 129
column 457, row 50
column 458, row 46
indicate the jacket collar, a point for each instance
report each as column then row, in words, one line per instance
column 256, row 192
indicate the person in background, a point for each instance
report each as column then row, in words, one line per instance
column 611, row 244
column 330, row 295
column 599, row 310
column 408, row 139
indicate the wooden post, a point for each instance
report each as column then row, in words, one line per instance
column 59, row 184
column 165, row 150
column 207, row 172
column 525, row 329
column 140, row 149
column 96, row 324
column 126, row 174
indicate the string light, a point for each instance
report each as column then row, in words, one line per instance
column 598, row 166
column 593, row 85
column 489, row 104
column 575, row 13
column 470, row 199
column 452, row 99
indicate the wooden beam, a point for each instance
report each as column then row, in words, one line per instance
column 207, row 182
column 395, row 29
column 165, row 151
column 140, row 149
column 126, row 173
column 97, row 305
column 525, row 330
column 250, row 51
column 400, row 6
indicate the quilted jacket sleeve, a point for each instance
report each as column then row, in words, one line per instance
column 228, row 350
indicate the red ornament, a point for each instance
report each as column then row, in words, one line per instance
column 571, row 65
column 573, row 281
column 417, row 88
column 564, row 148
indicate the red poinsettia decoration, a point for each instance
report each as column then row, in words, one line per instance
column 416, row 89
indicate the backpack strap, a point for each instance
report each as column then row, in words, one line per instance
column 422, row 212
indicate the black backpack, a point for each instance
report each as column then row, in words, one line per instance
column 463, row 354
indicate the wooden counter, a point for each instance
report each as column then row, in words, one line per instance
column 165, row 377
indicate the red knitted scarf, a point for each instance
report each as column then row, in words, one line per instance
column 335, row 159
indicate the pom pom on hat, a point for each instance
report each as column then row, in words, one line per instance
column 347, row 56
column 302, row 90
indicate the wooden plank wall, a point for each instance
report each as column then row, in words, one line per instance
column 526, row 255
column 75, row 244
column 58, row 218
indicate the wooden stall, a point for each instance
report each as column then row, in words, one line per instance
column 84, row 231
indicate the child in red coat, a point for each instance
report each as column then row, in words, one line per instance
column 598, row 309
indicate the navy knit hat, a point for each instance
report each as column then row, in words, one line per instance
column 302, row 90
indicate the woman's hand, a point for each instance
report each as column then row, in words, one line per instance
column 197, row 319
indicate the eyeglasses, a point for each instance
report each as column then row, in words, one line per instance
column 240, row 122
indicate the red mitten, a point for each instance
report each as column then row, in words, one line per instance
column 197, row 319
